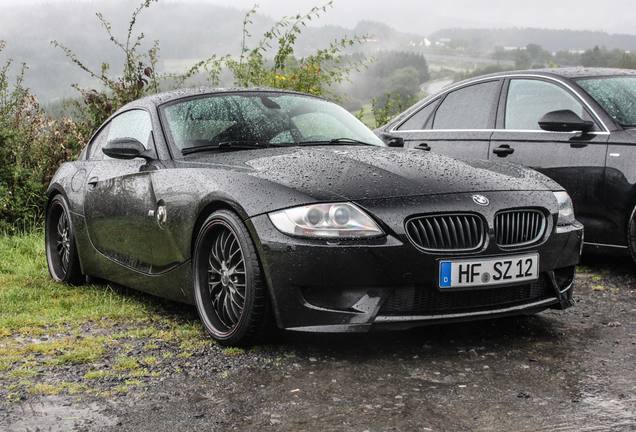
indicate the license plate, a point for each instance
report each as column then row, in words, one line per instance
column 495, row 271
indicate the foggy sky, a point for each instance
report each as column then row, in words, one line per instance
column 427, row 16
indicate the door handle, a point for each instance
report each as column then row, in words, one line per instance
column 92, row 182
column 503, row 150
column 423, row 146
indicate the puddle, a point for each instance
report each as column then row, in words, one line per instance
column 52, row 416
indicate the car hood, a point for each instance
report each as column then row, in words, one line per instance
column 356, row 173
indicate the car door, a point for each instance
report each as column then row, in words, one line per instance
column 457, row 124
column 119, row 200
column 576, row 160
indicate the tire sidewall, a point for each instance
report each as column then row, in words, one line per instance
column 201, row 253
column 72, row 274
column 631, row 235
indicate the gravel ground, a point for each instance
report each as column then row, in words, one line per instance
column 572, row 370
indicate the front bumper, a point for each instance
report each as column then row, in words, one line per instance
column 349, row 286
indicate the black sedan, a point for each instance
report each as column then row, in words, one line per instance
column 270, row 209
column 576, row 125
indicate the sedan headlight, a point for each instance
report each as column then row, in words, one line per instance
column 566, row 210
column 340, row 220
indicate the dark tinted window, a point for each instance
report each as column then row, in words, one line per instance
column 471, row 107
column 418, row 121
column 528, row 100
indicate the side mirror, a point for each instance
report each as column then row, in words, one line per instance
column 392, row 141
column 125, row 148
column 564, row 121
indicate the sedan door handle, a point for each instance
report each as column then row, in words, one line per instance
column 92, row 182
column 423, row 146
column 503, row 150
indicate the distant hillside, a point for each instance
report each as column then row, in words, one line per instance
column 551, row 40
column 186, row 32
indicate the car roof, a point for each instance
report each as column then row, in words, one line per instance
column 161, row 98
column 568, row 72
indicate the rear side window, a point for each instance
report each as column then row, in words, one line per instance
column 472, row 107
column 528, row 100
column 418, row 121
column 617, row 95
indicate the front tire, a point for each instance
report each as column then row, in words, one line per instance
column 61, row 251
column 230, row 294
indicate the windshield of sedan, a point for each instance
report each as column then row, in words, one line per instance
column 260, row 119
column 617, row 95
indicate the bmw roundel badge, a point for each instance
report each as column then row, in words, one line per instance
column 481, row 200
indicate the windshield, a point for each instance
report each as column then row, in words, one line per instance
column 260, row 119
column 617, row 95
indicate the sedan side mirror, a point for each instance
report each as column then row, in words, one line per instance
column 564, row 121
column 126, row 148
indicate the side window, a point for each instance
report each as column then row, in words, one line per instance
column 528, row 100
column 472, row 107
column 95, row 148
column 418, row 120
column 132, row 124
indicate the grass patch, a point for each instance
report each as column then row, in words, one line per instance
column 44, row 324
column 21, row 373
column 149, row 360
column 30, row 298
column 97, row 374
column 233, row 351
column 126, row 363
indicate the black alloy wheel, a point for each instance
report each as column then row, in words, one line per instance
column 61, row 251
column 230, row 294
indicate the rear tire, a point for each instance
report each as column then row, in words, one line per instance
column 61, row 250
column 230, row 294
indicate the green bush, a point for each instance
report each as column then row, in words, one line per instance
column 32, row 147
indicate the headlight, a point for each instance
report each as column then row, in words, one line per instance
column 340, row 220
column 566, row 210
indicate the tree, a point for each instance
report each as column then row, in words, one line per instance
column 405, row 83
column 523, row 60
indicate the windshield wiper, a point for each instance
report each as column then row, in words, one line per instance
column 226, row 145
column 334, row 141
